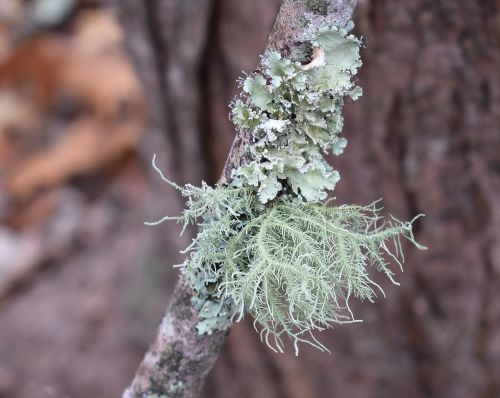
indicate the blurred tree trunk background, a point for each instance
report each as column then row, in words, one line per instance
column 425, row 136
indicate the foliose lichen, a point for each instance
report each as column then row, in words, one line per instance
column 268, row 243
column 295, row 114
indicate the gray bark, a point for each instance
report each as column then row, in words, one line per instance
column 178, row 361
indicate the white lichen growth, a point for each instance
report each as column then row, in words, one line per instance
column 268, row 243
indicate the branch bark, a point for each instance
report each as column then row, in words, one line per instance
column 179, row 360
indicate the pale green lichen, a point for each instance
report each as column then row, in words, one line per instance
column 296, row 265
column 268, row 243
column 295, row 115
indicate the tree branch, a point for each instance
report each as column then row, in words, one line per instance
column 179, row 360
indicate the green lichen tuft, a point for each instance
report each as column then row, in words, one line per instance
column 295, row 267
column 295, row 114
column 268, row 243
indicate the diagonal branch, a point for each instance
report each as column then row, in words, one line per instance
column 179, row 360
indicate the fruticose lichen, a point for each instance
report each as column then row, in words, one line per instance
column 268, row 243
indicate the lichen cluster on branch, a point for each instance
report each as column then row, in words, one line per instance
column 294, row 112
column 268, row 243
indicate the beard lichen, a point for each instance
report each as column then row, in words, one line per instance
column 268, row 243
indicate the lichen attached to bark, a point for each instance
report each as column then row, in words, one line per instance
column 295, row 114
column 269, row 244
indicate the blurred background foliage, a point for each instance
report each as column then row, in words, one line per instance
column 83, row 283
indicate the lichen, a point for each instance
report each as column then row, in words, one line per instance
column 268, row 243
column 295, row 114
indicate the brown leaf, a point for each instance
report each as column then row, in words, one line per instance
column 85, row 147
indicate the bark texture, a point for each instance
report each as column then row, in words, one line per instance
column 179, row 360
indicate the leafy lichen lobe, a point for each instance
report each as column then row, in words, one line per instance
column 295, row 114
